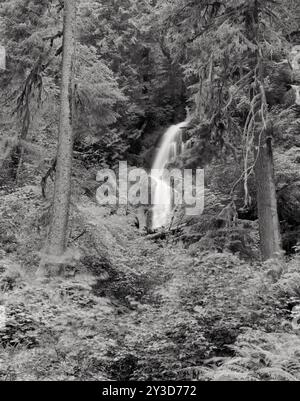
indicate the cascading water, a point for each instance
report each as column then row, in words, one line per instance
column 167, row 153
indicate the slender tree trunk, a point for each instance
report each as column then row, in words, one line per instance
column 62, row 192
column 269, row 228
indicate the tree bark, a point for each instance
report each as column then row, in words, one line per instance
column 269, row 228
column 59, row 224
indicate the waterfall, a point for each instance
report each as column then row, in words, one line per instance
column 167, row 153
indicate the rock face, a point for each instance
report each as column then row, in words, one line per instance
column 289, row 203
column 280, row 78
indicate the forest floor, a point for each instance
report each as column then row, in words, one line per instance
column 130, row 308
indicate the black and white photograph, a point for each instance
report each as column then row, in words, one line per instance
column 149, row 194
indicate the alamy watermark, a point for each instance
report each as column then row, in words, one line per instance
column 136, row 186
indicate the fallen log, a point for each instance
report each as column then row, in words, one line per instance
column 160, row 235
column 163, row 234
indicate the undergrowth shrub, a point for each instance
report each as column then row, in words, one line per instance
column 259, row 356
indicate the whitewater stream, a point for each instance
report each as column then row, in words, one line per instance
column 170, row 147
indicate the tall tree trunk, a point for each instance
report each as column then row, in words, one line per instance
column 269, row 228
column 62, row 192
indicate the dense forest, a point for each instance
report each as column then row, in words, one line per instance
column 92, row 291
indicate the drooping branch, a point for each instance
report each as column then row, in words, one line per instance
column 32, row 87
